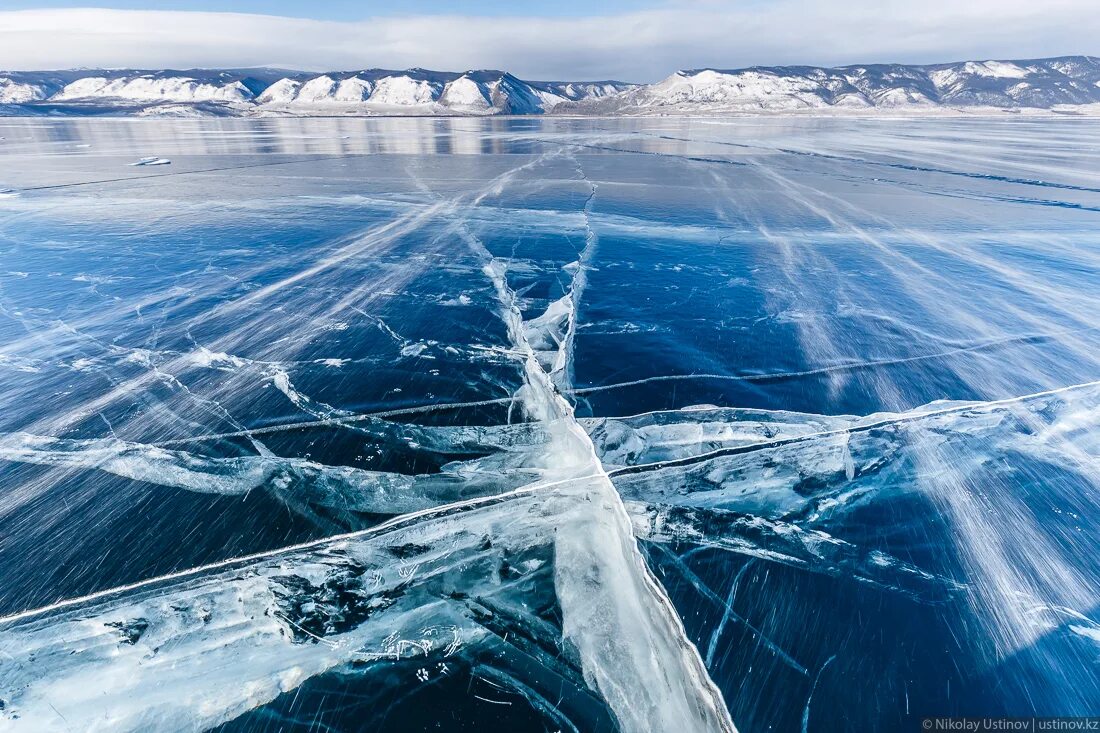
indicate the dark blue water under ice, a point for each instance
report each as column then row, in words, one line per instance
column 843, row 375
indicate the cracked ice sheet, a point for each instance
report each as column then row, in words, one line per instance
column 776, row 488
column 842, row 285
column 276, row 621
column 690, row 434
column 626, row 635
column 250, row 331
column 330, row 605
column 287, row 326
column 761, row 249
column 860, row 497
column 200, row 649
column 700, row 474
column 273, row 330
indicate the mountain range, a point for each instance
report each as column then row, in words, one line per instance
column 1069, row 84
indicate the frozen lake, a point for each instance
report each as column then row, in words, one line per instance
column 548, row 424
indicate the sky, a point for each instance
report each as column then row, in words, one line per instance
column 632, row 40
column 354, row 9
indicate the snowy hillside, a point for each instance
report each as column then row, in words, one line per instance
column 1061, row 84
column 418, row 91
column 1041, row 84
column 278, row 92
column 148, row 89
column 14, row 92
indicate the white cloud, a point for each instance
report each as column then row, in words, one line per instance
column 639, row 46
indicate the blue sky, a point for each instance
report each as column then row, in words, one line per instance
column 632, row 40
column 353, row 9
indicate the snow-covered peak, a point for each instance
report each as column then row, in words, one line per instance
column 744, row 86
column 465, row 93
column 746, row 89
column 283, row 91
column 590, row 90
column 353, row 90
column 13, row 92
column 404, row 91
column 418, row 91
column 1041, row 84
column 148, row 88
column 320, row 89
column 995, row 69
column 1072, row 81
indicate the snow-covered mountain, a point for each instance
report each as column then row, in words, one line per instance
column 425, row 92
column 272, row 91
column 1070, row 83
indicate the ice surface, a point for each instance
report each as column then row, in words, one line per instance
column 571, row 425
column 260, row 627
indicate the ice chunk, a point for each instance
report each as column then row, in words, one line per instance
column 151, row 161
column 200, row 648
